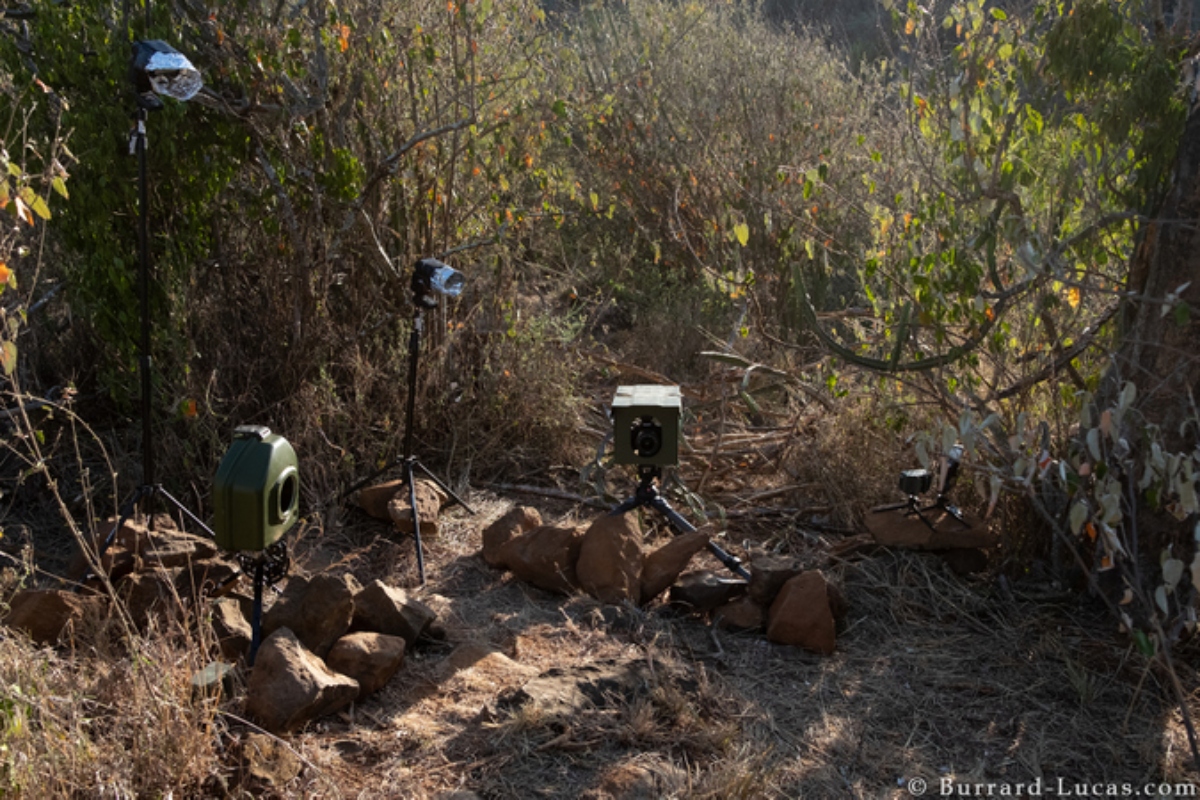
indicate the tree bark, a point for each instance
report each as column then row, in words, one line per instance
column 1160, row 352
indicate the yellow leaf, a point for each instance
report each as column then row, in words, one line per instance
column 742, row 232
column 909, row 27
column 1073, row 297
column 344, row 38
column 8, row 357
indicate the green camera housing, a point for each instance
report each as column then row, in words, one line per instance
column 256, row 492
column 647, row 425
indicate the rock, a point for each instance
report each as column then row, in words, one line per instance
column 935, row 529
column 518, row 520
column 374, row 499
column 380, row 608
column 741, row 615
column 149, row 593
column 169, row 547
column 545, row 557
column 662, row 567
column 486, row 659
column 768, row 574
column 704, row 590
column 429, row 502
column 317, row 610
column 134, row 544
column 369, row 658
column 800, row 614
column 270, row 761
column 289, row 685
column 203, row 578
column 232, row 629
column 46, row 614
column 609, row 567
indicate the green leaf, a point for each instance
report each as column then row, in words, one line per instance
column 60, row 186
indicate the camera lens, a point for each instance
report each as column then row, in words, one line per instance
column 647, row 438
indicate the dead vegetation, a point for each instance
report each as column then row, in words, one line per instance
column 997, row 678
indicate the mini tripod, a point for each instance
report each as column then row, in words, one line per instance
column 647, row 494
column 915, row 482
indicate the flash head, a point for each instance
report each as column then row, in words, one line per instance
column 915, row 481
column 157, row 69
column 431, row 276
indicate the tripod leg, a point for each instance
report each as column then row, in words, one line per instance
column 679, row 523
column 416, row 518
column 187, row 513
column 444, row 487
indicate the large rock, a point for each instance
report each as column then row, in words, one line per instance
column 202, row 579
column 801, row 616
column 768, row 574
column 46, row 614
column 289, row 685
column 545, row 557
column 662, row 567
column 148, row 594
column 232, row 629
column 374, row 499
column 370, row 658
column 740, row 615
column 609, row 567
column 518, row 520
column 380, row 608
column 704, row 590
column 933, row 529
column 430, row 500
column 317, row 610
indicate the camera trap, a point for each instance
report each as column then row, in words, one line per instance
column 646, row 425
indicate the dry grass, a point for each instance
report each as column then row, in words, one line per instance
column 935, row 676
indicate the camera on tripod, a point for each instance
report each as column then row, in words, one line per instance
column 646, row 425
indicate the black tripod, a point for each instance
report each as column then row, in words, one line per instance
column 149, row 489
column 915, row 482
column 423, row 298
column 647, row 494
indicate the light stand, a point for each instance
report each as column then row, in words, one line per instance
column 647, row 494
column 430, row 276
column 155, row 69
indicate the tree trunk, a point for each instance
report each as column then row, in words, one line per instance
column 1160, row 352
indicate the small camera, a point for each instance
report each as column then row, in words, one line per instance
column 646, row 425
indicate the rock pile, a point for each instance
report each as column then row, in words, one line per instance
column 327, row 640
column 605, row 559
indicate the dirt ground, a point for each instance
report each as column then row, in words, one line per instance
column 973, row 688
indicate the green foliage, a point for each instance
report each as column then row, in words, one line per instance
column 1042, row 144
